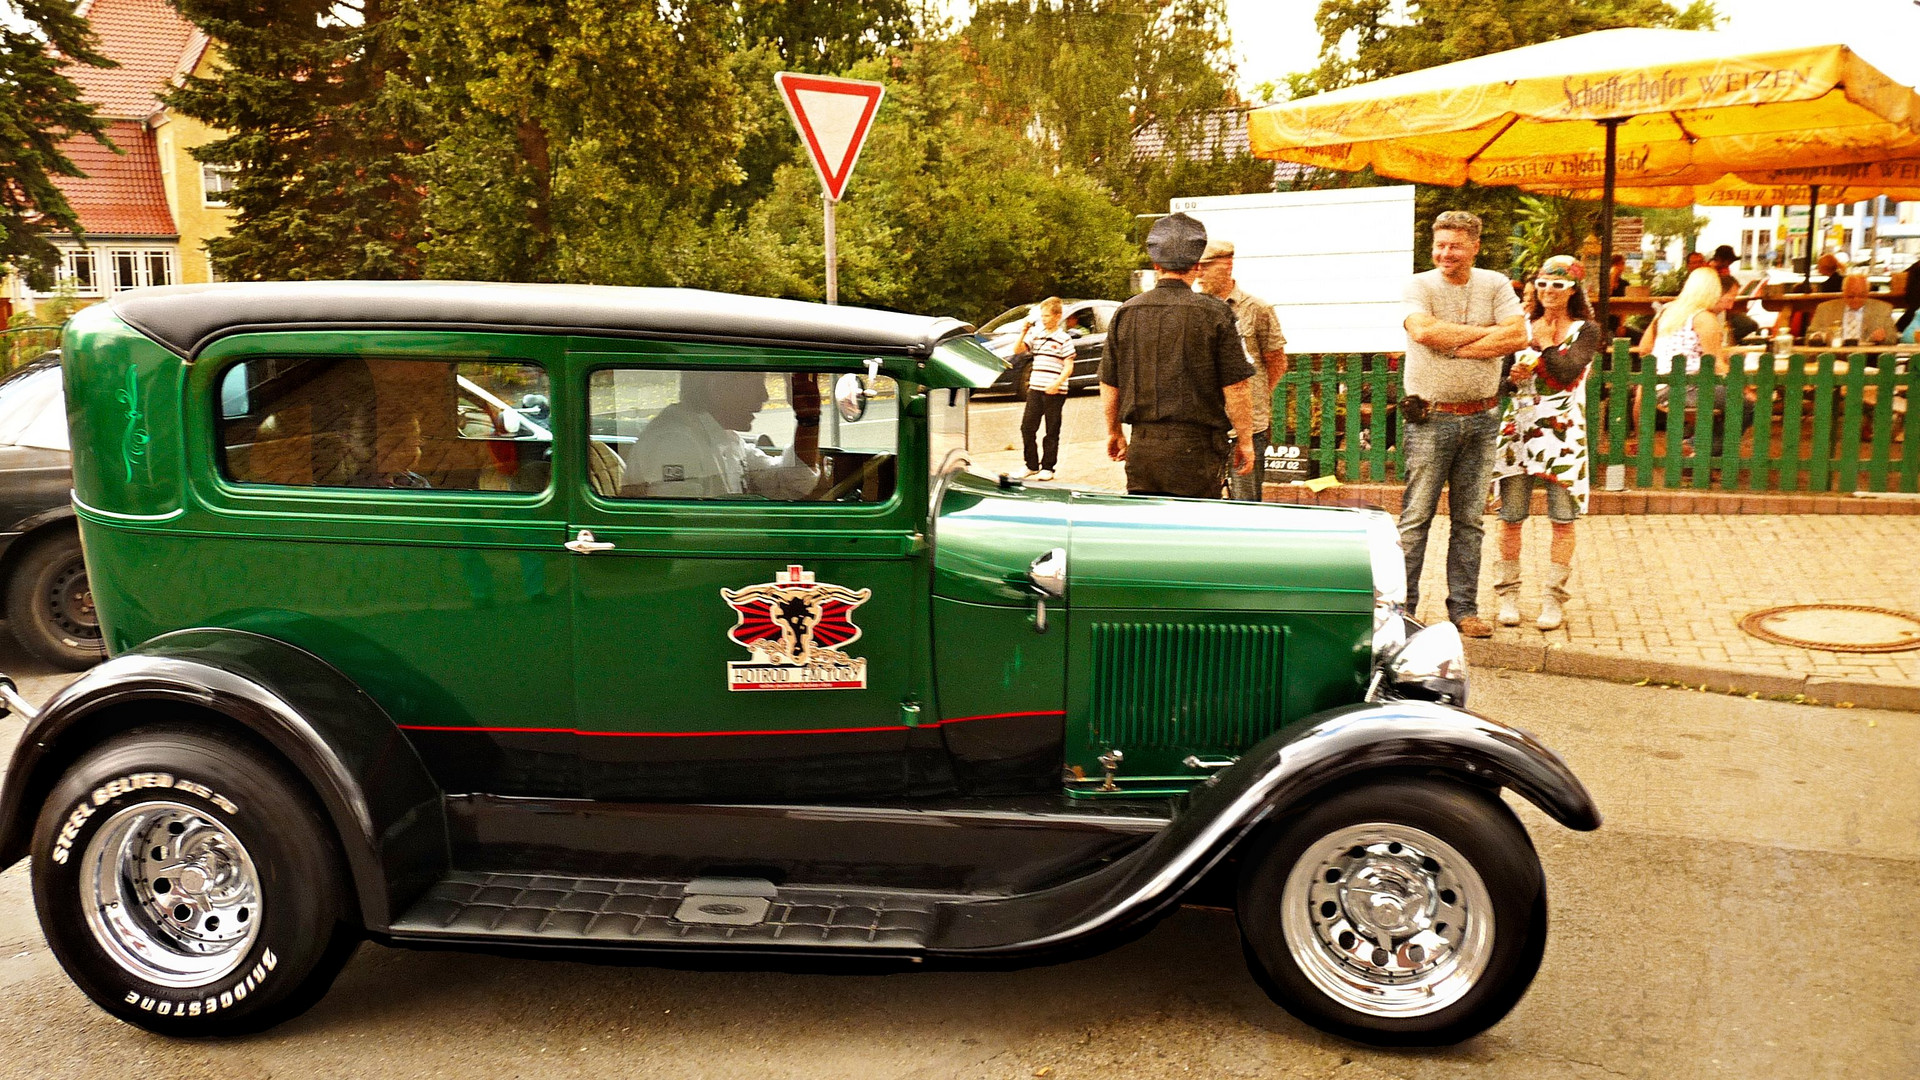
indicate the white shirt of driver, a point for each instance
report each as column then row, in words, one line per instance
column 684, row 453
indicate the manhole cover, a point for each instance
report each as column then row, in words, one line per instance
column 1853, row 628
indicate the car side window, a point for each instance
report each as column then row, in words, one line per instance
column 368, row 422
column 739, row 435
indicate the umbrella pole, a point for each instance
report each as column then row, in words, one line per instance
column 1606, row 230
column 1813, row 205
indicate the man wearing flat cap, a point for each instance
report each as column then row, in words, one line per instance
column 1175, row 372
column 1266, row 347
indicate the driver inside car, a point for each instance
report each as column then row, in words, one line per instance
column 696, row 448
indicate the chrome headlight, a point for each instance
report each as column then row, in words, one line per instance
column 1432, row 665
column 1389, row 585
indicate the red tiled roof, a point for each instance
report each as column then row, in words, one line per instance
column 121, row 194
column 149, row 39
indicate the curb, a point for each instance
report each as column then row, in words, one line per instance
column 1633, row 501
column 1727, row 679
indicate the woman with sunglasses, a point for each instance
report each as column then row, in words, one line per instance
column 1543, row 433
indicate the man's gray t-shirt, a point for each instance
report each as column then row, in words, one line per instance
column 1485, row 300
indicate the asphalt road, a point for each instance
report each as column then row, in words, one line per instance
column 1747, row 911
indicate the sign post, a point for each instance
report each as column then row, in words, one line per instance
column 833, row 117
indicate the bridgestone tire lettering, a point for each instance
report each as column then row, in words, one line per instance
column 299, row 937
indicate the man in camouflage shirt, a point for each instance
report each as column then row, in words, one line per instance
column 1266, row 348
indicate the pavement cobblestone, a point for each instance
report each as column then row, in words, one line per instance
column 1660, row 596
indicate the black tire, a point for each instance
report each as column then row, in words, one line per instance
column 50, row 606
column 1417, row 862
column 161, row 816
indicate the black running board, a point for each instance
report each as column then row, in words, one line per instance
column 705, row 913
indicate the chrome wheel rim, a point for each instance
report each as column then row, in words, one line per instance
column 171, row 895
column 1387, row 920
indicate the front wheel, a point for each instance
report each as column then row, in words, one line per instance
column 188, row 885
column 1399, row 913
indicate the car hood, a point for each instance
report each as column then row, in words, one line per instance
column 1133, row 552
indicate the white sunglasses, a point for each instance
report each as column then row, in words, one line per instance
column 1554, row 285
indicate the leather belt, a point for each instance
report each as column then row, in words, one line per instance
column 1466, row 408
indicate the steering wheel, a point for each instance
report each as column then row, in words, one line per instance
column 869, row 469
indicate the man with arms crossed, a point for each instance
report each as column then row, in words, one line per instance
column 1460, row 322
column 1266, row 347
column 1175, row 370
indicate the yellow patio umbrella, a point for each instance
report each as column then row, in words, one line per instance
column 1648, row 109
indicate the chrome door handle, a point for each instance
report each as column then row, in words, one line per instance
column 585, row 544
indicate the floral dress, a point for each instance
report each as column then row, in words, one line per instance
column 1543, row 427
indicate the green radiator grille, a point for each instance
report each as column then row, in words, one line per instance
column 1206, row 686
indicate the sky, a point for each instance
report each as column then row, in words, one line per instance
column 1273, row 38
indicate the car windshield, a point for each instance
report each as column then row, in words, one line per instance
column 33, row 411
column 1006, row 320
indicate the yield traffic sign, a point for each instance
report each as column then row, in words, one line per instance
column 833, row 116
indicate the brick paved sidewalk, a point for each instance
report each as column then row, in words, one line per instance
column 1661, row 596
column 1666, row 594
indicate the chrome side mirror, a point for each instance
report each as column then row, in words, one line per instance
column 850, row 394
column 1047, row 573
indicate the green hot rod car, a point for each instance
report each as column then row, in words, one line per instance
column 502, row 616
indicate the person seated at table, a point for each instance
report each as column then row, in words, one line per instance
column 1828, row 267
column 1740, row 325
column 1690, row 328
column 1853, row 319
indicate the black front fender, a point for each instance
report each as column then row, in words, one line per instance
column 370, row 783
column 1285, row 771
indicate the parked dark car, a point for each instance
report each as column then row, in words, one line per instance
column 42, row 575
column 1086, row 322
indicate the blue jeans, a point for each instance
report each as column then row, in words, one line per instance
column 1456, row 452
column 1251, row 487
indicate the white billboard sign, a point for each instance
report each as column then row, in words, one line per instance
column 1334, row 264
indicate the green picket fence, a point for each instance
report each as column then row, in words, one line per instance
column 1811, row 429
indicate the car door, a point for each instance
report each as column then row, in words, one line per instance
column 356, row 509
column 749, row 590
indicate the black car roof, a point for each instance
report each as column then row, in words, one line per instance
column 187, row 318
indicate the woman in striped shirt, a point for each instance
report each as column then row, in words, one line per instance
column 1052, row 352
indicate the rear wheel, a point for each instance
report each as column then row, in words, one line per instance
column 1405, row 912
column 187, row 884
column 50, row 605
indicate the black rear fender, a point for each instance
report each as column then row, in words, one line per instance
column 365, row 776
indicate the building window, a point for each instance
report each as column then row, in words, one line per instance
column 82, row 269
column 126, row 271
column 215, row 182
column 135, row 269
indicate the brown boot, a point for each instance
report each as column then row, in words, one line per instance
column 1473, row 626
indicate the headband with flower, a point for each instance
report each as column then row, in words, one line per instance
column 1563, row 266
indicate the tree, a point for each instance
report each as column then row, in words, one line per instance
column 565, row 126
column 949, row 213
column 1363, row 40
column 825, row 36
column 1081, row 76
column 39, row 109
column 325, row 119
